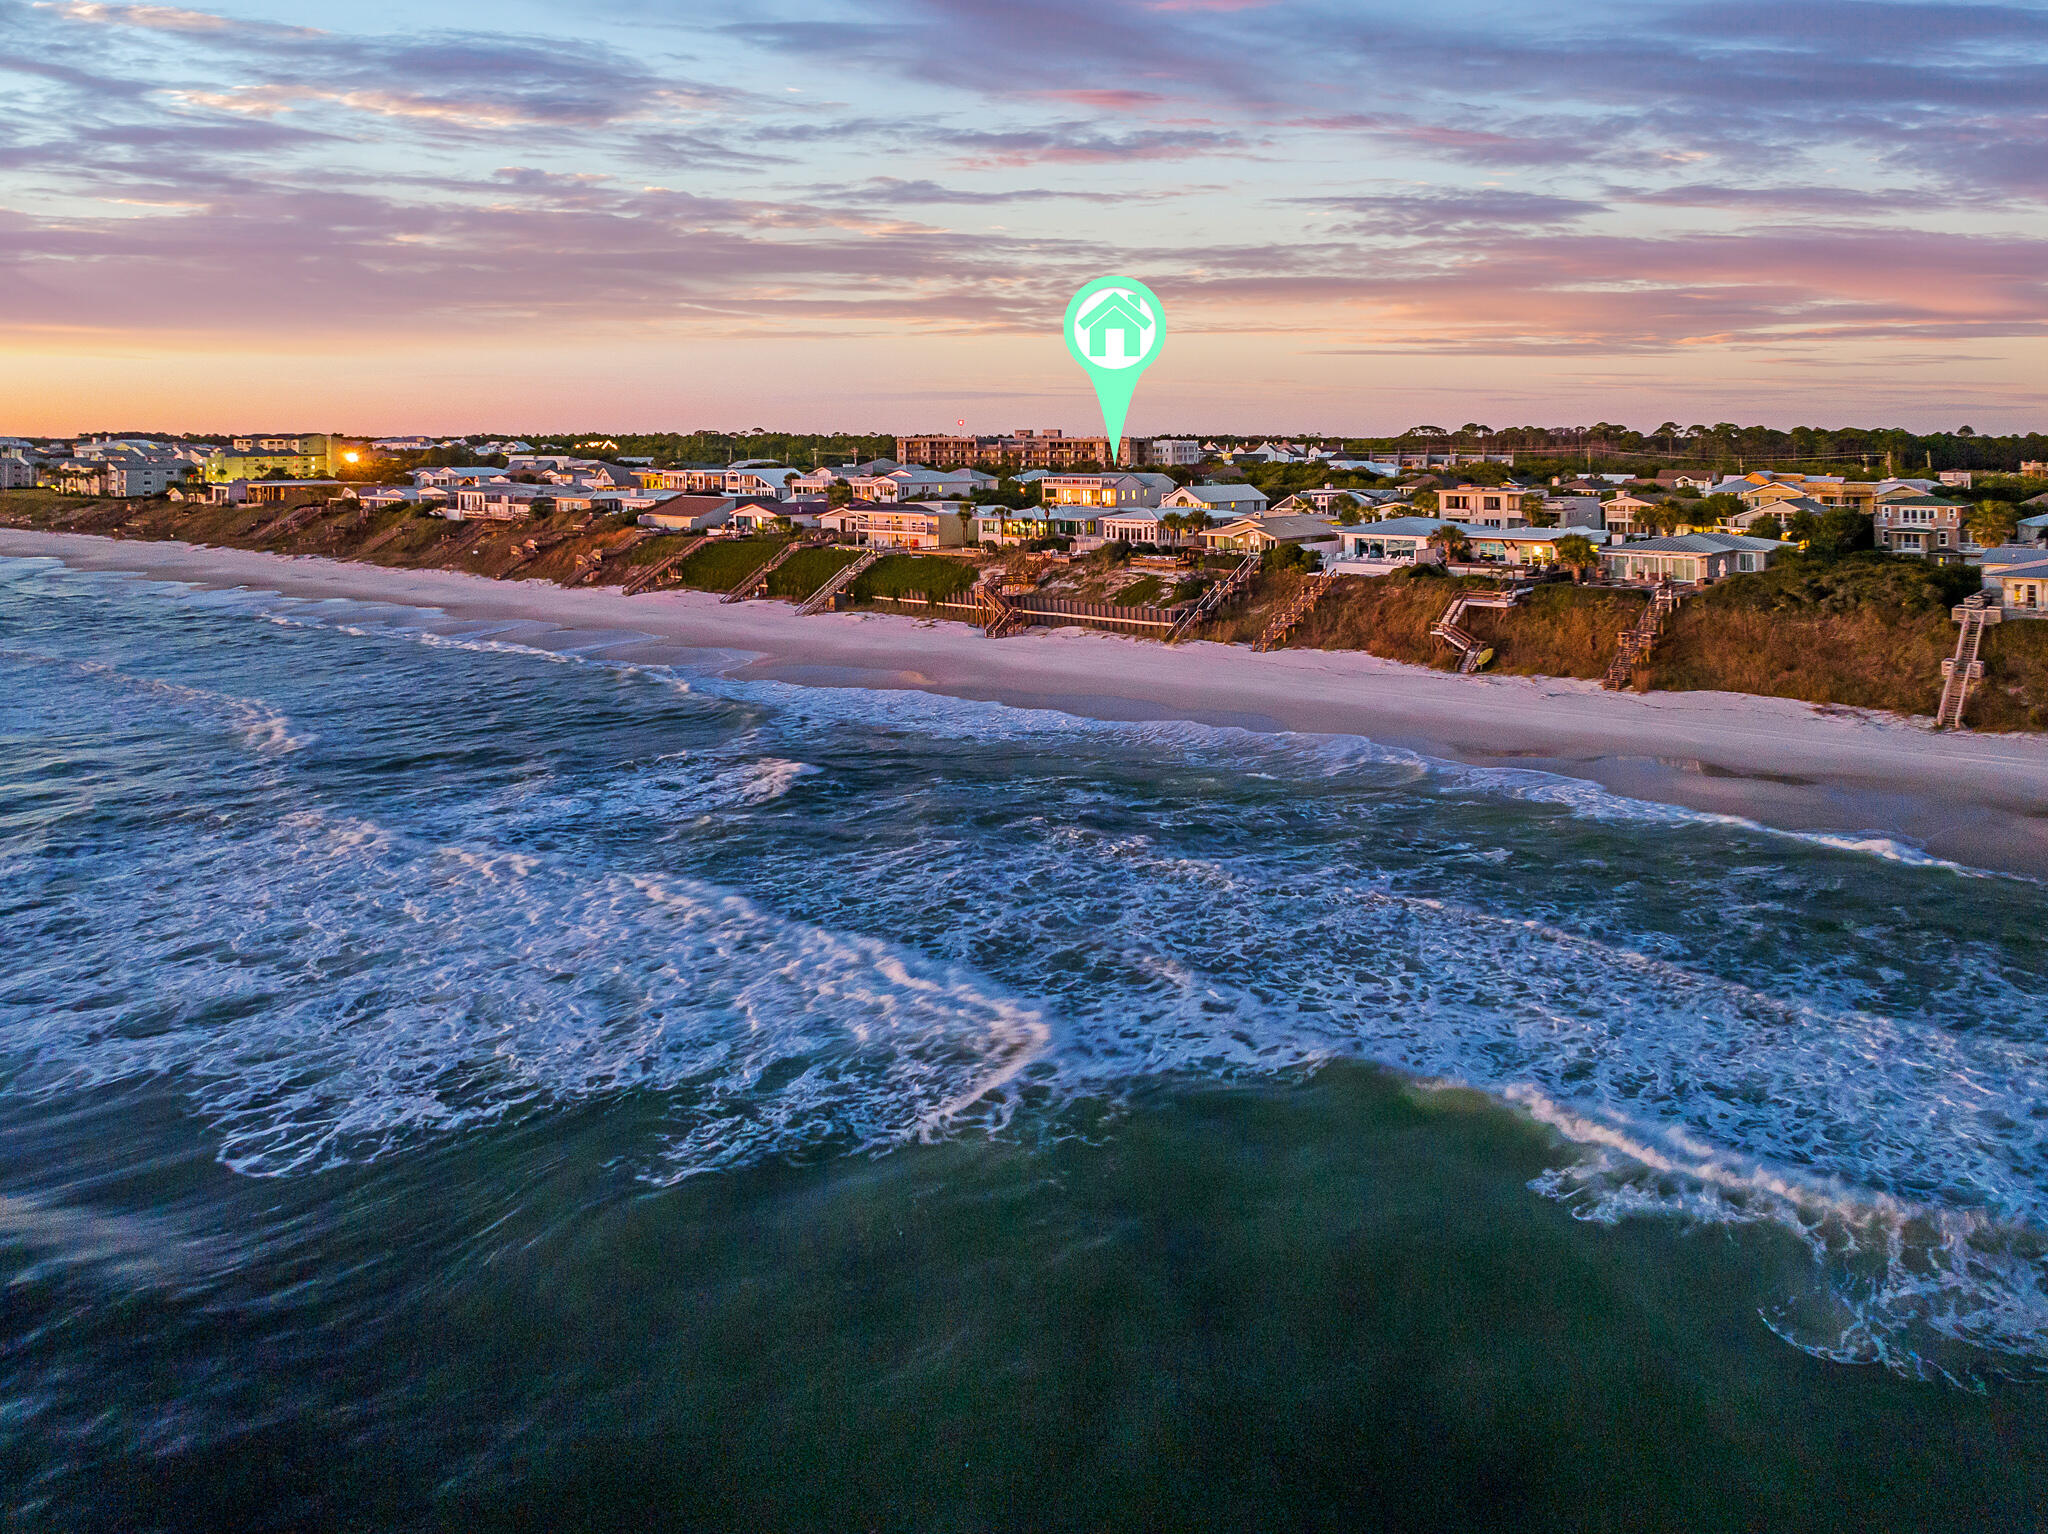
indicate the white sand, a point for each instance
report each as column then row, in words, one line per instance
column 1983, row 797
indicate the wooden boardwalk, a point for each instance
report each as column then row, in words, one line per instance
column 1641, row 638
column 1213, row 601
column 1305, row 601
column 827, row 595
column 1963, row 669
column 753, row 585
column 653, row 573
column 1471, row 649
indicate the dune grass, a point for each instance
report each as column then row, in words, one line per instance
column 916, row 575
column 723, row 565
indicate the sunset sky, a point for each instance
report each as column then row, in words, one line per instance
column 449, row 216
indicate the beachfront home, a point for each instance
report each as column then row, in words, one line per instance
column 1396, row 541
column 502, row 501
column 901, row 525
column 2033, row 530
column 1258, row 534
column 1375, row 548
column 1221, row 501
column 609, row 500
column 691, row 513
column 1097, row 493
column 1782, row 512
column 1031, row 524
column 383, row 497
column 1690, row 559
column 2022, row 589
column 1141, row 524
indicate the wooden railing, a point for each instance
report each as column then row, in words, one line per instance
column 1964, row 668
column 1641, row 638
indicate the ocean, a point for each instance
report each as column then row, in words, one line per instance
column 462, row 1075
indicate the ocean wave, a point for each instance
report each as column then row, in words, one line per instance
column 526, row 983
column 262, row 728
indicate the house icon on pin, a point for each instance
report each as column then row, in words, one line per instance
column 1116, row 316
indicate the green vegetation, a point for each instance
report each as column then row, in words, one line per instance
column 1805, row 584
column 1142, row 592
column 1560, row 630
column 804, row 572
column 916, row 576
column 1867, row 630
column 723, row 565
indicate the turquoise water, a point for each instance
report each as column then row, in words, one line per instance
column 445, row 1083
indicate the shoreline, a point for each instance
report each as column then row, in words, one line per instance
column 1977, row 799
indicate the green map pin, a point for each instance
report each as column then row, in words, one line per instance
column 1115, row 327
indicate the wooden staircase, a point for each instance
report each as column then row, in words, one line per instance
column 1000, row 616
column 1212, row 601
column 653, row 573
column 291, row 521
column 1964, row 668
column 1313, row 589
column 1641, row 638
column 753, row 585
column 1469, row 646
column 826, row 596
column 595, row 567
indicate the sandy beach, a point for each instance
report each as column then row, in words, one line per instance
column 1980, row 799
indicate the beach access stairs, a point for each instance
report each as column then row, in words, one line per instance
column 826, row 597
column 653, row 573
column 1641, row 637
column 592, row 565
column 753, row 585
column 1472, row 650
column 1963, row 670
column 999, row 615
column 1212, row 601
column 291, row 521
column 1313, row 589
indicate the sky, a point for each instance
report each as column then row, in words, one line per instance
column 451, row 216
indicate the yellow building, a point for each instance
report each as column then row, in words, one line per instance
column 314, row 455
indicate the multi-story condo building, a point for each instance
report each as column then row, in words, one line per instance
column 1020, row 450
column 309, row 456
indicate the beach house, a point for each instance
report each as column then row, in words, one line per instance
column 1096, row 493
column 1690, row 559
column 2022, row 589
column 900, row 525
column 1258, row 534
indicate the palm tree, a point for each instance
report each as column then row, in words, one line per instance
column 1577, row 554
column 1990, row 523
column 1451, row 541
